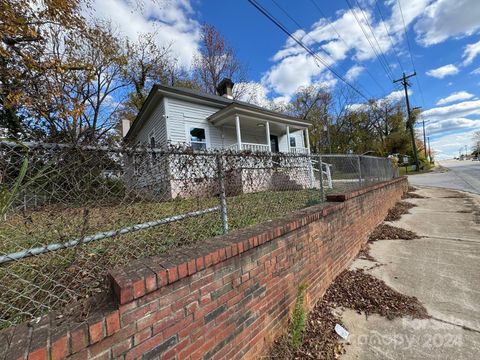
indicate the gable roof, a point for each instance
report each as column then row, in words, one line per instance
column 159, row 91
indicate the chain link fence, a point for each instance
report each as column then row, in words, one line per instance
column 70, row 214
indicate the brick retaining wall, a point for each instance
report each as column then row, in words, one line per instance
column 226, row 298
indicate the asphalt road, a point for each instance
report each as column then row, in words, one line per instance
column 461, row 175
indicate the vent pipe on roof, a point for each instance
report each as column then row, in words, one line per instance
column 225, row 88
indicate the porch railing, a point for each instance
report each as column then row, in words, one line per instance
column 251, row 147
column 299, row 150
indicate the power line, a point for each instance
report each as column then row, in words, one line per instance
column 345, row 43
column 307, row 34
column 305, row 47
column 410, row 52
column 389, row 36
column 382, row 53
column 404, row 81
column 385, row 66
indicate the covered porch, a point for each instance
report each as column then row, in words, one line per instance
column 243, row 128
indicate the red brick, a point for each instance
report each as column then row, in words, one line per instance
column 79, row 339
column 139, row 288
column 150, row 282
column 162, row 278
column 95, row 331
column 121, row 348
column 192, row 268
column 142, row 336
column 182, row 270
column 59, row 348
column 39, row 354
column 172, row 274
column 200, row 263
column 112, row 322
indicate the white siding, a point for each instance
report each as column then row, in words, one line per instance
column 155, row 125
column 282, row 140
column 182, row 113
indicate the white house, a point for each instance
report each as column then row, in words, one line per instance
column 173, row 115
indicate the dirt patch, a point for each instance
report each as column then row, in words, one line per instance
column 366, row 294
column 400, row 208
column 388, row 232
column 319, row 339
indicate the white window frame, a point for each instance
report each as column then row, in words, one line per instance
column 189, row 125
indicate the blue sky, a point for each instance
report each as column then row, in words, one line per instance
column 444, row 42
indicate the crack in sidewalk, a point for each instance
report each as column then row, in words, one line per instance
column 464, row 327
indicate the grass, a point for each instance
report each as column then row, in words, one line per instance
column 34, row 285
column 409, row 170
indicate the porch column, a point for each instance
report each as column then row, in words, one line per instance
column 307, row 139
column 288, row 138
column 239, row 135
column 267, row 131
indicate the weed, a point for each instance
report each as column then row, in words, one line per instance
column 297, row 326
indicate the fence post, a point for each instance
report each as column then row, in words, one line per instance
column 322, row 191
column 223, row 198
column 359, row 162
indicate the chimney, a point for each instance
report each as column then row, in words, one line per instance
column 125, row 127
column 225, row 88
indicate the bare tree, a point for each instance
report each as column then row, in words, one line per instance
column 84, row 97
column 216, row 61
column 313, row 103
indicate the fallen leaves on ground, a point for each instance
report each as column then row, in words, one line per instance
column 388, row 232
column 364, row 293
column 412, row 195
column 400, row 208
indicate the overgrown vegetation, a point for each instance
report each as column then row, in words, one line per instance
column 77, row 274
column 297, row 324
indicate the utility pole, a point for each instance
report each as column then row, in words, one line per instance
column 424, row 135
column 405, row 84
column 429, row 150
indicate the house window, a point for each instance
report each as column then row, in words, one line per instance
column 198, row 138
column 293, row 141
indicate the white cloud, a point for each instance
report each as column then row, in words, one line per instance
column 354, row 72
column 454, row 97
column 449, row 125
column 458, row 110
column 447, row 146
column 291, row 73
column 476, row 71
column 443, row 19
column 471, row 51
column 443, row 71
column 171, row 20
column 397, row 95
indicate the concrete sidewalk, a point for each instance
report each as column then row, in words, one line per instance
column 442, row 270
